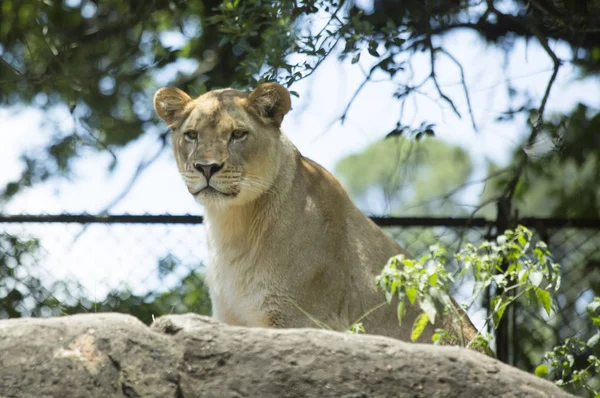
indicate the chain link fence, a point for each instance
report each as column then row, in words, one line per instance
column 153, row 265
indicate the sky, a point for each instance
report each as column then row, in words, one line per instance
column 102, row 257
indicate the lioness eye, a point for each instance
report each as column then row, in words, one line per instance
column 238, row 134
column 190, row 135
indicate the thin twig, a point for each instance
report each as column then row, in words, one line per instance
column 349, row 104
column 140, row 169
column 362, row 85
column 432, row 75
column 333, row 16
column 459, row 188
column 369, row 312
column 17, row 71
column 320, row 61
column 317, row 322
column 464, row 85
column 96, row 139
column 138, row 172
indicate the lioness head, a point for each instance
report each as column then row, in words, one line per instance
column 226, row 142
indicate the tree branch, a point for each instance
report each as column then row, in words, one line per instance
column 464, row 85
column 537, row 125
column 433, row 76
column 140, row 169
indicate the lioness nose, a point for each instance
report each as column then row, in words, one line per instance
column 208, row 169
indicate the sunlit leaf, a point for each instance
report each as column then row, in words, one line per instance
column 419, row 327
column 411, row 293
column 545, row 299
column 536, row 278
column 541, row 371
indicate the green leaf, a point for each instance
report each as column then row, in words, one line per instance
column 433, row 279
column 428, row 307
column 411, row 293
column 394, row 286
column 355, row 58
column 592, row 341
column 419, row 326
column 536, row 278
column 545, row 299
column 498, row 309
column 395, row 133
column 398, row 41
column 541, row 371
column 500, row 279
column 593, row 310
column 400, row 312
column 390, row 25
column 388, row 296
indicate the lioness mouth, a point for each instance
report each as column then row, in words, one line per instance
column 211, row 190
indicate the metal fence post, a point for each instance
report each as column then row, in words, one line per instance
column 505, row 332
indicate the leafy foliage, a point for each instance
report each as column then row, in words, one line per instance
column 16, row 289
column 189, row 295
column 573, row 363
column 511, row 265
column 424, row 281
column 24, row 294
column 515, row 267
column 563, row 171
column 102, row 61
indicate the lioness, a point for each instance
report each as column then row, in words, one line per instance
column 287, row 246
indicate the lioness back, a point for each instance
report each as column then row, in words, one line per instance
column 287, row 247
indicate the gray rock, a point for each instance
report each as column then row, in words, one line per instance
column 185, row 356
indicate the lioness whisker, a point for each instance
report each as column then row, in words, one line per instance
column 257, row 181
column 263, row 183
column 256, row 189
column 256, row 177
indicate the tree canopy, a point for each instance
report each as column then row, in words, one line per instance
column 103, row 60
column 406, row 175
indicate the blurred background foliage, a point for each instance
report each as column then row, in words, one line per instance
column 25, row 294
column 103, row 61
column 404, row 175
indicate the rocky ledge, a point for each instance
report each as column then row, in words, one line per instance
column 185, row 356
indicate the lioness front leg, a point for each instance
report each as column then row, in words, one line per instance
column 222, row 313
column 292, row 316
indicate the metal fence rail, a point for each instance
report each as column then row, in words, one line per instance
column 152, row 264
column 531, row 222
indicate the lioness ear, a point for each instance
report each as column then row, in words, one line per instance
column 169, row 102
column 270, row 100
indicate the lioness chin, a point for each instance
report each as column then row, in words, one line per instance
column 287, row 246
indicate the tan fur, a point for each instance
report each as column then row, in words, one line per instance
column 287, row 246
